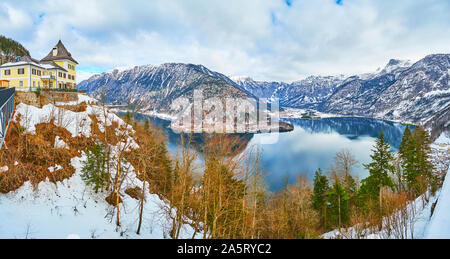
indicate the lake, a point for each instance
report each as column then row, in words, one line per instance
column 311, row 145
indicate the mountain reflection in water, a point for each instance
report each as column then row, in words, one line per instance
column 312, row 144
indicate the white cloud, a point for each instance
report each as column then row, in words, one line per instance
column 14, row 21
column 264, row 39
column 83, row 75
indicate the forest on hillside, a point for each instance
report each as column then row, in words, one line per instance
column 10, row 49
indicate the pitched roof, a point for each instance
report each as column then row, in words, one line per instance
column 61, row 53
column 29, row 59
column 26, row 60
column 52, row 65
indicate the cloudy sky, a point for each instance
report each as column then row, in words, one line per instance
column 282, row 40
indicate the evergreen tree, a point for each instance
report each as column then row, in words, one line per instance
column 406, row 138
column 351, row 187
column 319, row 196
column 415, row 153
column 94, row 171
column 379, row 170
column 338, row 199
column 408, row 156
column 422, row 176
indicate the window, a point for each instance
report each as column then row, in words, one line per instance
column 7, row 72
column 20, row 83
column 33, row 71
column 39, row 72
column 21, row 71
column 34, row 84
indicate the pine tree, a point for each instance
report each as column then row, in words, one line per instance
column 415, row 153
column 319, row 196
column 379, row 170
column 406, row 138
column 351, row 187
column 338, row 202
column 94, row 170
column 408, row 156
column 423, row 174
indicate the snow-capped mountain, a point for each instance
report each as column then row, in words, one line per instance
column 309, row 92
column 299, row 94
column 399, row 91
column 260, row 89
column 413, row 93
column 154, row 88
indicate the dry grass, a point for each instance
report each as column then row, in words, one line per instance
column 28, row 156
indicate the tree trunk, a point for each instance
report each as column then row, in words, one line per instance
column 117, row 193
column 141, row 207
column 339, row 210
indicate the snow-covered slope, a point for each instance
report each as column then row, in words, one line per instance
column 155, row 88
column 260, row 89
column 400, row 91
column 309, row 92
column 303, row 93
column 412, row 93
column 439, row 225
column 69, row 208
column 426, row 217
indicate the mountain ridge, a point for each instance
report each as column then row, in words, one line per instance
column 401, row 90
column 156, row 87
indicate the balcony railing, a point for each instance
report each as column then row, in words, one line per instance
column 48, row 77
column 6, row 111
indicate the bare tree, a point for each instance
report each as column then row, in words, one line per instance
column 344, row 162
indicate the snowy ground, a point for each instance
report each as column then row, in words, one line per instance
column 419, row 212
column 439, row 225
column 423, row 224
column 81, row 98
column 70, row 209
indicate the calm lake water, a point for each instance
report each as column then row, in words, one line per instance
column 313, row 144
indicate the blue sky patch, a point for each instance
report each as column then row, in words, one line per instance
column 91, row 69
